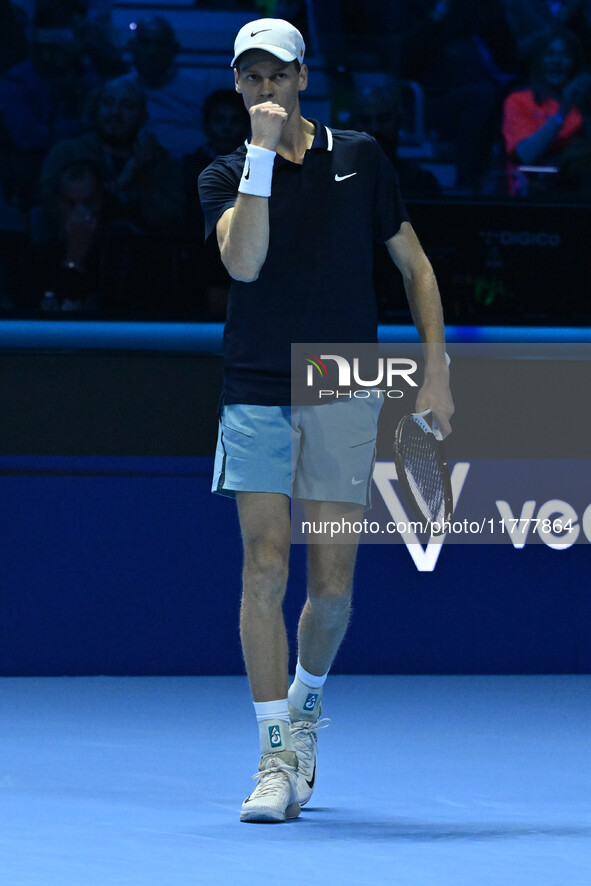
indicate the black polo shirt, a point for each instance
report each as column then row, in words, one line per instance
column 316, row 282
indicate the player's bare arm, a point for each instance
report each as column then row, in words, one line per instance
column 243, row 230
column 243, row 237
column 425, row 306
column 271, row 93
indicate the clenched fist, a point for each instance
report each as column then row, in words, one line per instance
column 267, row 121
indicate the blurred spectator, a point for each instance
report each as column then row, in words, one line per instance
column 377, row 111
column 67, row 246
column 90, row 21
column 463, row 55
column 99, row 42
column 174, row 96
column 86, row 257
column 140, row 174
column 533, row 20
column 144, row 186
column 226, row 125
column 539, row 122
column 42, row 100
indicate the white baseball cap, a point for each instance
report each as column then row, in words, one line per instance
column 273, row 35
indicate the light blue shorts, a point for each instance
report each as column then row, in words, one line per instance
column 319, row 453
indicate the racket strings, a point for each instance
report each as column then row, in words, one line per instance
column 423, row 473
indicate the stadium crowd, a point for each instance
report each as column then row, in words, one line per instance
column 101, row 141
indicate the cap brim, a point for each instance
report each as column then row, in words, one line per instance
column 282, row 54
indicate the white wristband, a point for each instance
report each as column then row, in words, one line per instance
column 258, row 172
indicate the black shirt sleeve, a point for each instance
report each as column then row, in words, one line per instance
column 218, row 188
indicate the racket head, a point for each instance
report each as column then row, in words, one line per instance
column 422, row 470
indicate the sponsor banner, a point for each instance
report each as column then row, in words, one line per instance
column 519, row 455
column 505, row 501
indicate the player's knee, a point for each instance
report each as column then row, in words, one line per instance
column 330, row 596
column 265, row 573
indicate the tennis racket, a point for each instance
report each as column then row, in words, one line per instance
column 422, row 470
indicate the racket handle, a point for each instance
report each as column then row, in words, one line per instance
column 428, row 428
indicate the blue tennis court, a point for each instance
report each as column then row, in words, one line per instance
column 422, row 780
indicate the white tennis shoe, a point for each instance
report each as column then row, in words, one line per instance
column 305, row 741
column 275, row 797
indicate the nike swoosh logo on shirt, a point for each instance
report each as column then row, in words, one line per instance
column 262, row 31
column 340, row 178
column 356, row 482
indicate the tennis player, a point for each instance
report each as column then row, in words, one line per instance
column 296, row 210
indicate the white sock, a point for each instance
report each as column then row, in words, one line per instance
column 305, row 694
column 273, row 720
column 309, row 679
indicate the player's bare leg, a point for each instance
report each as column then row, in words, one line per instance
column 264, row 522
column 321, row 628
column 265, row 527
column 331, row 564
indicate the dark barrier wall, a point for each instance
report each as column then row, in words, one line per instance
column 131, row 566
column 116, row 559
